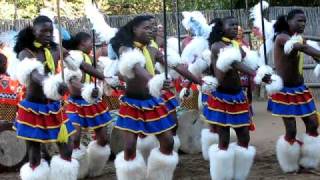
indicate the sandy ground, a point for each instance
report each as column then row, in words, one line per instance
column 265, row 167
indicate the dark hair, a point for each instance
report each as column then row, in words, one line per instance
column 217, row 30
column 124, row 37
column 25, row 37
column 282, row 25
column 74, row 41
column 3, row 60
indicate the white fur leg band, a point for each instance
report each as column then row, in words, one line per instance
column 155, row 84
column 261, row 72
column 26, row 67
column 288, row 46
column 74, row 60
column 128, row 60
column 209, row 84
column 86, row 93
column 227, row 57
column 275, row 86
column 51, row 87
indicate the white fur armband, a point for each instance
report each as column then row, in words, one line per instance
column 74, row 60
column 51, row 86
column 209, row 84
column 288, row 46
column 155, row 84
column 276, row 84
column 69, row 74
column 128, row 60
column 252, row 59
column 227, row 57
column 26, row 67
column 261, row 72
column 86, row 93
column 316, row 70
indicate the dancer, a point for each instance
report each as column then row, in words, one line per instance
column 295, row 99
column 87, row 113
column 40, row 116
column 227, row 107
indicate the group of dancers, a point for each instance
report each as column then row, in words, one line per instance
column 56, row 108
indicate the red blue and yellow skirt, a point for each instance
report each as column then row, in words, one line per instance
column 41, row 122
column 149, row 116
column 292, row 102
column 229, row 110
column 170, row 100
column 88, row 116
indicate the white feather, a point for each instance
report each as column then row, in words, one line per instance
column 104, row 31
column 74, row 59
column 51, row 86
column 155, row 84
column 86, row 92
column 275, row 86
column 261, row 72
column 194, row 49
column 227, row 57
column 128, row 60
column 26, row 67
column 209, row 84
column 196, row 22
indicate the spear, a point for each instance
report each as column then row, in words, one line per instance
column 263, row 35
column 60, row 39
column 94, row 50
column 165, row 39
column 178, row 26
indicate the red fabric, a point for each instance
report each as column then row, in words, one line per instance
column 9, row 90
column 219, row 105
column 292, row 98
column 87, row 110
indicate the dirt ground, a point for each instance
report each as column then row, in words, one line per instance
column 193, row 167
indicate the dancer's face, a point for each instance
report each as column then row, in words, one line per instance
column 143, row 32
column 230, row 28
column 86, row 45
column 154, row 27
column 297, row 23
column 43, row 32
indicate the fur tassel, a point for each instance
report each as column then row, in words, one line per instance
column 81, row 156
column 26, row 67
column 130, row 170
column 316, row 70
column 97, row 158
column 288, row 47
column 155, row 84
column 261, row 72
column 63, row 169
column 227, row 57
column 74, row 60
column 128, row 60
column 209, row 84
column 207, row 139
column 310, row 156
column 221, row 162
column 243, row 160
column 275, row 86
column 86, row 93
column 51, row 86
column 288, row 155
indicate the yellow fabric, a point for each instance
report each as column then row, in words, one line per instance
column 301, row 62
column 154, row 44
column 146, row 53
column 233, row 42
column 63, row 134
column 87, row 59
column 48, row 57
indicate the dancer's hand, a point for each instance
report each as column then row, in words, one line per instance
column 267, row 78
column 63, row 89
column 95, row 93
column 167, row 84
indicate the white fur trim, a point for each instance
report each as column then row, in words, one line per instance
column 313, row 44
column 243, row 160
column 206, row 55
column 98, row 156
column 261, row 72
column 275, row 86
column 110, row 67
column 221, row 162
column 176, row 143
column 26, row 67
column 82, row 156
column 86, row 92
column 112, row 81
column 41, row 172
column 207, row 139
column 62, row 169
column 128, row 60
column 173, row 57
column 74, row 60
column 252, row 59
column 172, row 73
column 173, row 44
column 288, row 155
column 227, row 57
column 51, row 86
column 129, row 170
column 161, row 166
column 146, row 144
column 316, row 70
column 288, row 46
column 183, row 93
column 155, row 84
column 310, row 156
column 194, row 49
column 198, row 66
column 210, row 84
column 69, row 74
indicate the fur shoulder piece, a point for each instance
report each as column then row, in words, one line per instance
column 26, row 67
column 128, row 60
column 288, row 46
column 74, row 60
column 227, row 57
